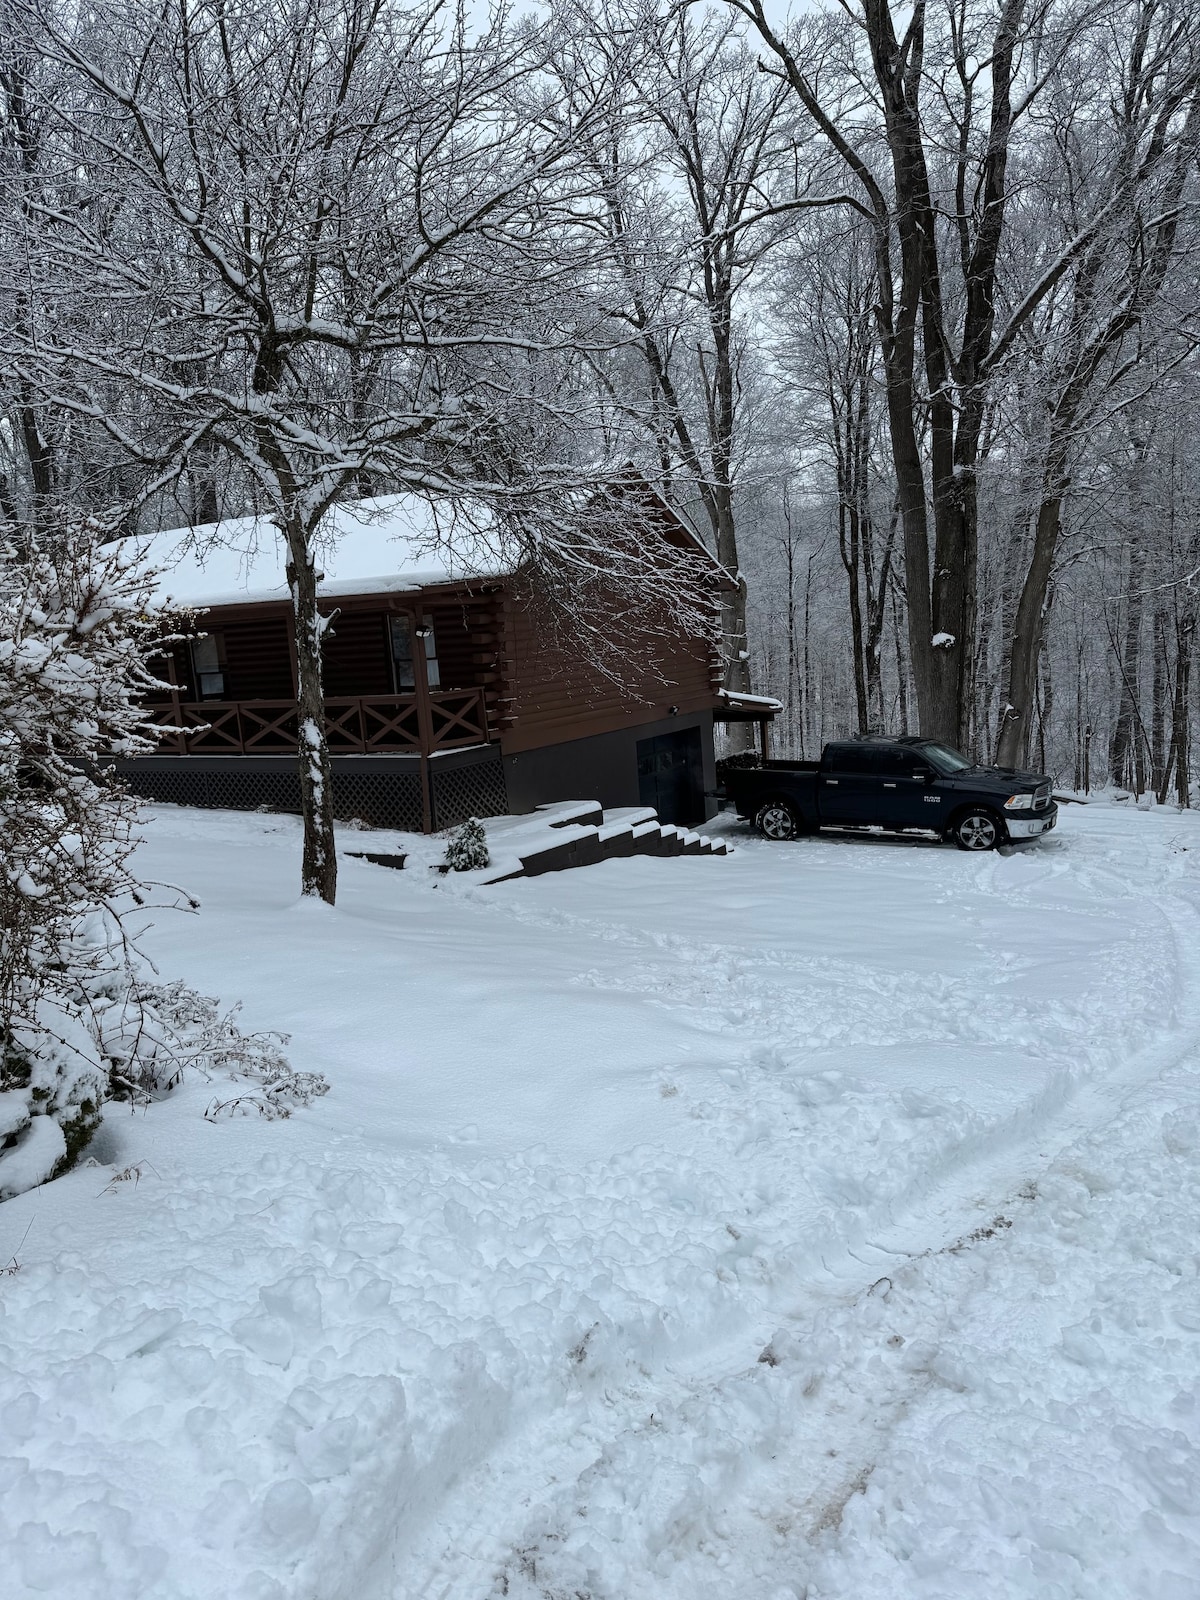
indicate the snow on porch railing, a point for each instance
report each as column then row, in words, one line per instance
column 354, row 724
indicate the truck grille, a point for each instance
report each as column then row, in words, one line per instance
column 1042, row 798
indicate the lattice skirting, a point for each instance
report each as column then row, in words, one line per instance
column 379, row 790
column 476, row 789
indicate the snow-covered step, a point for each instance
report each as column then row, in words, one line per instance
column 393, row 859
column 635, row 831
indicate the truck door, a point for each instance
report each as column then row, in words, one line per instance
column 910, row 798
column 850, row 787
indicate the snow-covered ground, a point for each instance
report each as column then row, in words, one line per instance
column 822, row 1221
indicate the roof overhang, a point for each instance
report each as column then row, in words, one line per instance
column 736, row 707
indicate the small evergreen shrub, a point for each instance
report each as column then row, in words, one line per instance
column 467, row 849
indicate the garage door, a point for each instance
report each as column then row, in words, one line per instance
column 671, row 776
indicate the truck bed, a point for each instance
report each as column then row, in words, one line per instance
column 795, row 781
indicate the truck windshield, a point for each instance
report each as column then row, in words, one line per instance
column 944, row 758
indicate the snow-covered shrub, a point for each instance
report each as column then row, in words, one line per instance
column 81, row 1016
column 183, row 1031
column 467, row 849
column 74, row 635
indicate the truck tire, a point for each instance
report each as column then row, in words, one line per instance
column 977, row 829
column 775, row 819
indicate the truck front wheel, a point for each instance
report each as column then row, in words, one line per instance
column 777, row 820
column 977, row 830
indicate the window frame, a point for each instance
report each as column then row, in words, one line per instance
column 211, row 642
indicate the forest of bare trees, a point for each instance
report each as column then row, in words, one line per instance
column 896, row 303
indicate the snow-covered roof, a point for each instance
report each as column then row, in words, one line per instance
column 391, row 544
column 764, row 703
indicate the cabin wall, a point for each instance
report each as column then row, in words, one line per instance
column 566, row 728
column 255, row 656
column 553, row 693
column 257, row 661
column 356, row 649
column 171, row 667
column 605, row 767
column 468, row 631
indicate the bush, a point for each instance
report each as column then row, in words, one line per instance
column 79, row 1020
column 467, row 849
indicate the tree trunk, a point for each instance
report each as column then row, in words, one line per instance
column 1178, row 756
column 1124, row 758
column 1079, row 718
column 792, row 664
column 1159, row 691
column 1183, row 714
column 878, row 588
column 1046, row 703
column 739, row 735
column 850, row 547
column 319, row 868
column 1012, row 748
column 901, row 669
column 806, row 701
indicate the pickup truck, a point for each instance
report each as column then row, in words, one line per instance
column 897, row 784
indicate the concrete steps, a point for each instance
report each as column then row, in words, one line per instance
column 594, row 837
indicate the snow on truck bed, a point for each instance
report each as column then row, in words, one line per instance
column 820, row 1221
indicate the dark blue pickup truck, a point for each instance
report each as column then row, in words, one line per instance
column 897, row 784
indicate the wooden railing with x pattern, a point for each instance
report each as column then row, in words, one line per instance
column 354, row 724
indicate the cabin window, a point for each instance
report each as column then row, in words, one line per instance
column 402, row 656
column 433, row 672
column 207, row 654
column 403, row 638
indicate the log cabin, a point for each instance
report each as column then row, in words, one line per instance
column 449, row 693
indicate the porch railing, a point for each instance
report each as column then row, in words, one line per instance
column 354, row 724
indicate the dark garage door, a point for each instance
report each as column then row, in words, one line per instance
column 671, row 776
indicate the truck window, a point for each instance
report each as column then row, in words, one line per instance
column 897, row 763
column 861, row 759
column 850, row 758
column 944, row 759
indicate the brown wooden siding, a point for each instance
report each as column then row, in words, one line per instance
column 553, row 693
column 257, row 661
column 467, row 633
column 356, row 654
column 172, row 666
column 539, row 688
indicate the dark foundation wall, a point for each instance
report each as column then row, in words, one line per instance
column 603, row 767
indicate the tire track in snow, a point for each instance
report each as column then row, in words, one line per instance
column 852, row 1378
column 626, row 1436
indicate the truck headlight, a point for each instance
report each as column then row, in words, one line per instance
column 1018, row 802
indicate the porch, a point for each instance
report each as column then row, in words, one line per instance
column 420, row 723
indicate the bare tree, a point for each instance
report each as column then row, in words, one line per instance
column 690, row 205
column 334, row 243
column 920, row 116
column 1088, row 339
column 824, row 307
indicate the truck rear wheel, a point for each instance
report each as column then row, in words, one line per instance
column 977, row 830
column 777, row 820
